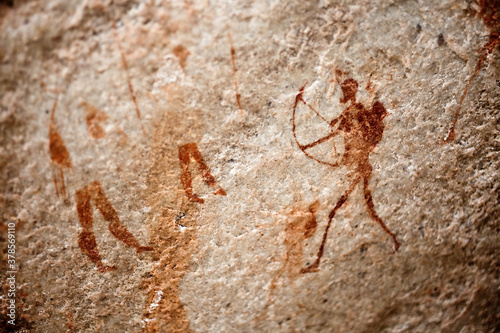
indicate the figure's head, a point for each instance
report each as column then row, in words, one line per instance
column 349, row 89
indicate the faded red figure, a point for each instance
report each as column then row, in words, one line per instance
column 93, row 116
column 301, row 225
column 185, row 153
column 362, row 130
column 490, row 13
column 86, row 239
column 59, row 154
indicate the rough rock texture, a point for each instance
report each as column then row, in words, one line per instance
column 158, row 159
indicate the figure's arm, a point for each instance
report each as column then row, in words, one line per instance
column 335, row 121
column 319, row 141
column 325, row 138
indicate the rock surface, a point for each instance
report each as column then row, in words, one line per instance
column 161, row 163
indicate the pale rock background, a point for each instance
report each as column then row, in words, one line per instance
column 213, row 270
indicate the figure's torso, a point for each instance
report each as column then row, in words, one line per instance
column 362, row 132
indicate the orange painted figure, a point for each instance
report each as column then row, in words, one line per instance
column 362, row 130
column 93, row 116
column 86, row 239
column 301, row 225
column 59, row 154
column 185, row 153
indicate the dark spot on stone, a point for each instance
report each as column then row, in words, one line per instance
column 325, row 300
column 441, row 41
column 231, row 160
column 498, row 83
column 180, row 216
column 228, row 304
column 419, row 28
column 269, row 103
column 47, row 111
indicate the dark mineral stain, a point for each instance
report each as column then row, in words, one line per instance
column 440, row 40
column 5, row 7
column 7, row 3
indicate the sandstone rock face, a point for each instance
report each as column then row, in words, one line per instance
column 263, row 166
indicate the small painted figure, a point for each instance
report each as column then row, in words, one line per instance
column 490, row 13
column 59, row 154
column 185, row 153
column 86, row 239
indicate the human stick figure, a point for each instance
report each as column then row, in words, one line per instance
column 362, row 129
column 301, row 225
column 86, row 239
column 490, row 13
column 59, row 154
column 185, row 153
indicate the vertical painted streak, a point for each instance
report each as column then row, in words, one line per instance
column 59, row 154
column 233, row 56
column 129, row 82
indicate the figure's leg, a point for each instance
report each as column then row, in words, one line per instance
column 63, row 188
column 185, row 153
column 315, row 266
column 207, row 176
column 186, row 179
column 373, row 213
column 274, row 283
column 86, row 239
column 109, row 213
column 55, row 182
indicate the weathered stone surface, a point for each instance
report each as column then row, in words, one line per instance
column 156, row 159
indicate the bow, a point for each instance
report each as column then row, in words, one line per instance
column 303, row 148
